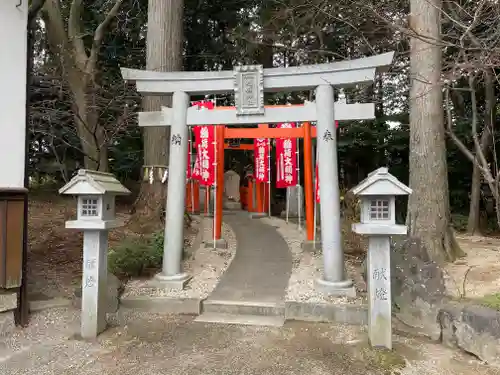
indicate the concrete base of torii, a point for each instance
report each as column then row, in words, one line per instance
column 258, row 215
column 220, row 243
column 310, row 246
column 332, row 288
column 175, row 282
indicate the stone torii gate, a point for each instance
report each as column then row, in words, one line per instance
column 249, row 84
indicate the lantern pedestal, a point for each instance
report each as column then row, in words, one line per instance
column 379, row 292
column 94, row 283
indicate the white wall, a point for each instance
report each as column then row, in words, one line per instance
column 13, row 47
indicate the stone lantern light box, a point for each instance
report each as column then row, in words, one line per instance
column 96, row 192
column 378, row 194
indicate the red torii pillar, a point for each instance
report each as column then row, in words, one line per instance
column 219, row 191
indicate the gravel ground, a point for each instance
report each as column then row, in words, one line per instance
column 155, row 344
column 478, row 274
column 307, row 268
column 206, row 266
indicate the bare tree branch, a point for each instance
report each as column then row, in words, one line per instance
column 99, row 35
column 58, row 39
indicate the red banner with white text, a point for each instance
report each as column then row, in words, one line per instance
column 286, row 160
column 208, row 104
column 203, row 169
column 189, row 171
column 261, row 154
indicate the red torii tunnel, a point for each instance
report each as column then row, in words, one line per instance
column 306, row 131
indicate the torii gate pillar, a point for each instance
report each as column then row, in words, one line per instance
column 334, row 281
column 172, row 275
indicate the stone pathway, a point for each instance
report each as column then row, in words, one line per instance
column 261, row 267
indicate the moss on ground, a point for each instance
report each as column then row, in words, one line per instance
column 492, row 301
column 388, row 362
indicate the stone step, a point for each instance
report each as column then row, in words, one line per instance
column 249, row 320
column 244, row 308
column 8, row 300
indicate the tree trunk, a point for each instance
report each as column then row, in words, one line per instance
column 428, row 206
column 473, row 222
column 91, row 133
column 164, row 53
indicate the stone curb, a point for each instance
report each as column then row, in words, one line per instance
column 322, row 312
column 52, row 303
column 301, row 311
column 167, row 305
column 8, row 300
column 7, row 324
column 243, row 308
column 198, row 240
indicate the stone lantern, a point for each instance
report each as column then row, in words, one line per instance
column 378, row 221
column 96, row 192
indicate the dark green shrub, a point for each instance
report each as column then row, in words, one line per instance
column 157, row 240
column 137, row 257
column 156, row 243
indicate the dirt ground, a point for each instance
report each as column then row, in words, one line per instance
column 54, row 252
column 478, row 274
column 154, row 344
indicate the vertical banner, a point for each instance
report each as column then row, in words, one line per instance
column 206, row 152
column 189, row 171
column 286, row 161
column 261, row 152
column 205, row 158
column 208, row 104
